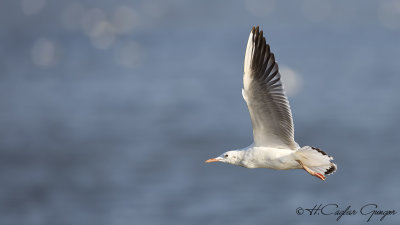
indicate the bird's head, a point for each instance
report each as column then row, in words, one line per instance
column 231, row 157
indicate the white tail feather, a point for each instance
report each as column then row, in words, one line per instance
column 316, row 160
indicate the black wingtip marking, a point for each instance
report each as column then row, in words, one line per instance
column 263, row 60
column 256, row 31
column 271, row 66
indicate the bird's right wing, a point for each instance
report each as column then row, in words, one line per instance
column 266, row 100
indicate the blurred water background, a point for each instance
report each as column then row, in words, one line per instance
column 108, row 110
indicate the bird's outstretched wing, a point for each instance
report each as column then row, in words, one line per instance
column 266, row 100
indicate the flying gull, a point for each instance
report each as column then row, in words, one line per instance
column 273, row 133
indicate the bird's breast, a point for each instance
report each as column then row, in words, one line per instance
column 272, row 158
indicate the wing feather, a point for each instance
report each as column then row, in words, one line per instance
column 265, row 97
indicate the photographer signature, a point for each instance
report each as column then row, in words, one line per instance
column 368, row 210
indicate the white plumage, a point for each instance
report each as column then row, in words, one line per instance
column 274, row 146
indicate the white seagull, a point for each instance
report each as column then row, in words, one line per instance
column 274, row 146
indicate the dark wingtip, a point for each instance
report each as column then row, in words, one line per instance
column 272, row 57
column 253, row 29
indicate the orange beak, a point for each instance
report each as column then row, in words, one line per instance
column 212, row 160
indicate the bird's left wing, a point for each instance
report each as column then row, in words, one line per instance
column 266, row 100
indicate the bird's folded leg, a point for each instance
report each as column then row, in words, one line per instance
column 319, row 175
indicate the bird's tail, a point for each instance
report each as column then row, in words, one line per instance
column 316, row 160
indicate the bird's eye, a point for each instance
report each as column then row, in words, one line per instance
column 226, row 155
